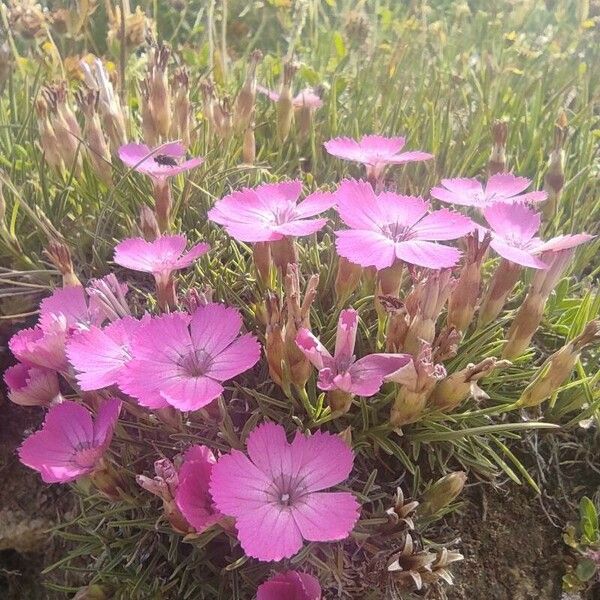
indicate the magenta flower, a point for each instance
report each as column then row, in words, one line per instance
column 374, row 151
column 160, row 162
column 192, row 496
column 41, row 348
column 193, row 358
column 342, row 371
column 99, row 355
column 160, row 257
column 270, row 212
column 503, row 187
column 31, row 386
column 290, row 585
column 388, row 227
column 73, row 307
column 306, row 98
column 276, row 494
column 513, row 229
column 70, row 444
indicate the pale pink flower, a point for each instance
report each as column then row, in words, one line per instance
column 502, row 187
column 160, row 257
column 342, row 371
column 388, row 227
column 374, row 151
column 73, row 307
column 182, row 360
column 161, row 162
column 41, row 348
column 513, row 231
column 192, row 495
column 70, row 444
column 31, row 386
column 275, row 493
column 306, row 98
column 99, row 355
column 270, row 212
column 290, row 585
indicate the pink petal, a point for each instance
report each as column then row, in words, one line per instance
column 442, row 225
column 401, row 210
column 326, row 516
column 69, row 302
column 312, row 348
column 31, row 386
column 242, row 354
column 517, row 255
column 505, row 185
column 358, row 205
column 427, row 254
column 384, row 146
column 300, row 228
column 564, row 242
column 315, row 204
column 43, row 349
column 191, row 256
column 274, row 195
column 367, row 374
column 465, row 192
column 307, row 98
column 105, row 422
column 366, row 248
column 406, row 157
column 345, row 148
column 290, row 585
column 512, row 221
column 190, row 393
column 214, row 326
column 345, row 338
column 150, row 257
column 269, row 450
column 271, row 94
column 530, row 197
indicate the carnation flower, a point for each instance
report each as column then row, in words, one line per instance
column 513, row 229
column 503, row 187
column 290, row 585
column 342, row 371
column 41, row 348
column 31, row 386
column 270, row 212
column 192, row 495
column 99, row 355
column 275, row 493
column 374, row 151
column 387, row 227
column 305, row 98
column 196, row 354
column 160, row 162
column 70, row 444
column 73, row 307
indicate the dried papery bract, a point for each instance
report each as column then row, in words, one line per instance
column 497, row 161
column 554, row 180
column 109, row 106
column 442, row 493
column 246, row 99
column 397, row 322
column 503, row 281
column 451, row 391
column 98, row 149
column 298, row 317
column 138, row 27
column 558, row 367
column 181, row 124
column 424, row 304
column 60, row 256
column 446, row 344
column 416, row 384
column 285, row 105
column 27, row 18
column 406, row 568
column 207, row 89
column 463, row 299
column 401, row 514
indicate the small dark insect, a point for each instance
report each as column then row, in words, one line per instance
column 163, row 159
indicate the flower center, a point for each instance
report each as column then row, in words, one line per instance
column 86, row 455
column 284, row 214
column 397, row 232
column 196, row 363
column 165, row 160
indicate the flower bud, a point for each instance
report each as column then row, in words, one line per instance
column 48, row 140
column 90, row 592
column 5, row 65
column 387, row 283
column 284, row 252
column 346, row 280
column 149, row 132
column 397, row 323
column 195, row 298
column 182, row 109
column 463, row 299
column 109, row 295
column 339, row 401
column 261, row 254
column 246, row 99
column 208, row 100
column 148, row 224
column 159, row 93
column 249, row 146
column 451, row 391
column 107, row 481
column 60, row 256
column 274, row 341
column 285, row 105
column 554, row 179
column 98, row 150
column 442, row 493
column 502, row 284
column 497, row 161
column 558, row 367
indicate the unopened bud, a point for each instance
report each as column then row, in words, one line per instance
column 558, row 367
column 244, row 106
column 182, row 108
column 497, row 161
column 397, row 323
column 284, row 252
column 195, row 298
column 502, row 284
column 60, row 256
column 148, row 224
column 90, row 592
column 285, row 103
column 261, row 254
column 48, row 140
column 249, row 146
column 554, row 180
column 274, row 338
column 107, row 481
column 159, row 94
column 347, row 280
column 442, row 493
column 339, row 401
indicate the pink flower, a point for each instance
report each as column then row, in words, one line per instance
column 276, row 494
column 503, row 187
column 192, row 496
column 99, row 355
column 160, row 162
column 290, row 585
column 305, row 98
column 182, row 361
column 41, row 348
column 70, row 444
column 72, row 306
column 374, row 151
column 31, row 386
column 513, row 229
column 388, row 227
column 160, row 257
column 270, row 212
column 342, row 371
